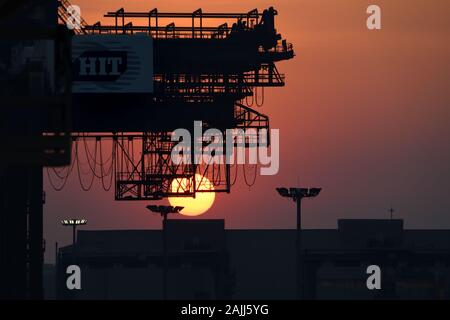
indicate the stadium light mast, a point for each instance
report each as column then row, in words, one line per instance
column 74, row 223
column 297, row 194
column 164, row 211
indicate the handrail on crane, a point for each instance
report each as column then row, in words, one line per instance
column 252, row 14
column 170, row 27
column 153, row 12
column 205, row 15
column 221, row 30
column 97, row 25
column 129, row 26
column 121, row 12
column 250, row 20
column 199, row 13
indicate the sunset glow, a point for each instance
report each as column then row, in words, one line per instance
column 193, row 206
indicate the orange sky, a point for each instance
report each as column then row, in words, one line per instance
column 364, row 114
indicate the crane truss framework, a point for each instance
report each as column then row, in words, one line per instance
column 201, row 71
column 200, row 60
column 144, row 169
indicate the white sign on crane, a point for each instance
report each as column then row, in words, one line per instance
column 112, row 63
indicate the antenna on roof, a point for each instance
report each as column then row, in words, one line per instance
column 391, row 212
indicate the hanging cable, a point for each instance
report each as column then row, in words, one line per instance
column 103, row 163
column 250, row 184
column 52, row 183
column 106, row 167
column 218, row 178
column 89, row 155
column 59, row 173
column 80, row 173
column 65, row 178
column 235, row 174
column 110, row 171
column 253, row 100
column 82, row 164
column 94, row 159
column 259, row 105
column 126, row 153
column 132, row 150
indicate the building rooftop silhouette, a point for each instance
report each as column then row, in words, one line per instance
column 209, row 261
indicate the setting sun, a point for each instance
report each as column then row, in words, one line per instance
column 193, row 206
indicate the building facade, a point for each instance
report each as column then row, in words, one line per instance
column 206, row 261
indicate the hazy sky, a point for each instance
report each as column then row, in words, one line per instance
column 364, row 114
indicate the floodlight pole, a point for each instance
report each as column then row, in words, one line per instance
column 74, row 223
column 298, row 259
column 165, row 256
column 74, row 233
column 297, row 194
column 164, row 211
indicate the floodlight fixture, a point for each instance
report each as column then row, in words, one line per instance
column 74, row 223
column 71, row 222
column 164, row 210
column 284, row 192
column 298, row 193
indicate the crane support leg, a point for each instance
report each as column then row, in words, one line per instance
column 21, row 250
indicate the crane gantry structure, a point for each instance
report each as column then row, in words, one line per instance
column 205, row 67
column 203, row 70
